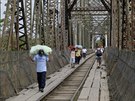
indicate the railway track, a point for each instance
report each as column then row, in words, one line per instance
column 70, row 88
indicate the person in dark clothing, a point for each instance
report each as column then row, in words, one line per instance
column 98, row 56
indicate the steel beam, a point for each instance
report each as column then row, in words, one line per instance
column 133, row 24
column 124, row 23
column 36, row 22
column 15, row 23
column 28, row 16
column 20, row 26
column 86, row 9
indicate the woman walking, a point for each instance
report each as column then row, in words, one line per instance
column 72, row 57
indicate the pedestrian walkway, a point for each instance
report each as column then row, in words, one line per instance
column 32, row 93
column 96, row 86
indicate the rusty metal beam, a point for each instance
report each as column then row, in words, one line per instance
column 36, row 22
column 108, row 7
column 51, row 21
column 44, row 36
column 85, row 9
column 124, row 23
column 133, row 25
column 64, row 34
column 20, row 27
column 28, row 16
column 72, row 5
column 8, row 25
column 14, row 23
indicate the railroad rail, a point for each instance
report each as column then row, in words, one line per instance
column 70, row 88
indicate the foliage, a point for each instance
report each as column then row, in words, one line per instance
column 99, row 43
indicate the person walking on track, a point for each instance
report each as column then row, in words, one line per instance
column 78, row 55
column 98, row 56
column 84, row 51
column 72, row 57
column 41, row 60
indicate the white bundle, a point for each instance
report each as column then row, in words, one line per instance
column 78, row 46
column 34, row 49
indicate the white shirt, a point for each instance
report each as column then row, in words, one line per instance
column 84, row 50
column 41, row 63
column 99, row 49
column 72, row 54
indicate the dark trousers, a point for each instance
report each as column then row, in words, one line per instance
column 78, row 59
column 84, row 55
column 41, row 78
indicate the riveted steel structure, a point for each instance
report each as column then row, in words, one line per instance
column 59, row 23
column 36, row 21
column 93, row 17
column 51, row 22
column 46, row 23
column 14, row 27
column 132, row 12
column 28, row 15
column 123, row 24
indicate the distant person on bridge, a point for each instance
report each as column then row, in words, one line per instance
column 72, row 57
column 41, row 58
column 99, row 53
column 84, row 51
column 78, row 55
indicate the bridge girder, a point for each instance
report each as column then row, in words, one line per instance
column 94, row 13
column 14, row 29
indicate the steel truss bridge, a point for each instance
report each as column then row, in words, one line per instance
column 59, row 23
column 55, row 23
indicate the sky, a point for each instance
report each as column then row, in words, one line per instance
column 3, row 8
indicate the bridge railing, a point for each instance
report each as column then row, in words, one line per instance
column 121, row 73
column 17, row 71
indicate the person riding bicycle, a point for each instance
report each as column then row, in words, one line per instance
column 98, row 56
